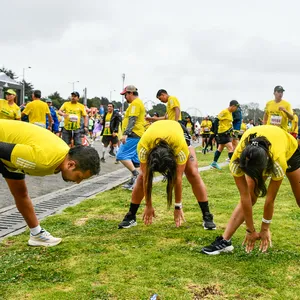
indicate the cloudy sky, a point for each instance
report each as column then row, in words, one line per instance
column 204, row 52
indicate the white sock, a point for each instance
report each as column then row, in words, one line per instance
column 36, row 230
column 116, row 148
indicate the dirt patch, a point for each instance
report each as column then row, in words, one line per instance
column 81, row 222
column 207, row 292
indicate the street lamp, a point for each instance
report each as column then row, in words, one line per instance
column 24, row 83
column 123, row 78
column 73, row 84
column 110, row 92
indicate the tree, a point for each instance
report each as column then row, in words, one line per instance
column 252, row 111
column 57, row 100
column 9, row 73
column 159, row 108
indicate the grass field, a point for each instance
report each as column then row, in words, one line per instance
column 98, row 261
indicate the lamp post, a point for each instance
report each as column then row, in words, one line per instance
column 24, row 83
column 123, row 78
column 110, row 92
column 73, row 84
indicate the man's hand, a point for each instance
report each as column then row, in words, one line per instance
column 50, row 128
column 250, row 240
column 148, row 215
column 281, row 108
column 178, row 217
column 123, row 139
column 266, row 241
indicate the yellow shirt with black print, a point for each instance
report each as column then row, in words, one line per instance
column 283, row 146
column 9, row 112
column 225, row 120
column 169, row 131
column 172, row 103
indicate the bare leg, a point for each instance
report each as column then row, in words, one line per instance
column 138, row 190
column 19, row 191
column 237, row 217
column 128, row 164
column 193, row 176
column 294, row 179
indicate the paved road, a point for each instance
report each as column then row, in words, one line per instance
column 39, row 186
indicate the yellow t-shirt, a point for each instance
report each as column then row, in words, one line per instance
column 283, row 146
column 205, row 126
column 10, row 112
column 167, row 130
column 135, row 109
column 225, row 120
column 38, row 152
column 36, row 112
column 275, row 116
column 243, row 128
column 106, row 124
column 172, row 103
column 294, row 127
column 74, row 111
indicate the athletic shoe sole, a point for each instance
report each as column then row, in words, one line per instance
column 125, row 227
column 43, row 244
column 217, row 252
column 206, row 228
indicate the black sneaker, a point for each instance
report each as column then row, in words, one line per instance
column 111, row 153
column 103, row 159
column 128, row 221
column 208, row 221
column 218, row 246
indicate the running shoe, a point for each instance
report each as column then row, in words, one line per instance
column 130, row 184
column 215, row 165
column 111, row 153
column 208, row 221
column 218, row 246
column 117, row 162
column 103, row 159
column 128, row 221
column 204, row 151
column 44, row 238
column 227, row 159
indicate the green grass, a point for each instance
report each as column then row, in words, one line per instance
column 98, row 261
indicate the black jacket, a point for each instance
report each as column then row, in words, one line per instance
column 114, row 122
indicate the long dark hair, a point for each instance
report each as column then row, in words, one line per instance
column 255, row 159
column 161, row 159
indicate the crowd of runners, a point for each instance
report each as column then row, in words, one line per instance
column 52, row 141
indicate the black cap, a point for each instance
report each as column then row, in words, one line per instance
column 76, row 94
column 234, row 102
column 278, row 88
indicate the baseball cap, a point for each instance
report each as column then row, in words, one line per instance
column 278, row 88
column 76, row 94
column 234, row 102
column 129, row 88
column 48, row 100
column 11, row 92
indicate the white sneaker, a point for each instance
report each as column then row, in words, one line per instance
column 44, row 238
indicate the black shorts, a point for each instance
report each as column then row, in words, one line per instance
column 106, row 139
column 205, row 135
column 223, row 138
column 294, row 162
column 10, row 175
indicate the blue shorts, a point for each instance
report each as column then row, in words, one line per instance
column 128, row 151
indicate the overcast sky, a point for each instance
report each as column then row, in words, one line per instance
column 204, row 52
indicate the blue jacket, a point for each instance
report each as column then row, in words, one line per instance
column 54, row 118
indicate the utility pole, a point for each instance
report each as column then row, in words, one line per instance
column 23, row 88
column 123, row 85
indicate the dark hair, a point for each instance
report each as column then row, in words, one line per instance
column 110, row 103
column 37, row 94
column 86, row 158
column 255, row 159
column 161, row 92
column 135, row 93
column 161, row 159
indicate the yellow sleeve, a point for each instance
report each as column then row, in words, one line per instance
column 183, row 156
column 27, row 109
column 47, row 110
column 174, row 102
column 83, row 112
column 62, row 108
column 142, row 153
column 235, row 169
column 135, row 110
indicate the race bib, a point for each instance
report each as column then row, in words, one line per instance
column 107, row 124
column 73, row 118
column 206, row 129
column 275, row 120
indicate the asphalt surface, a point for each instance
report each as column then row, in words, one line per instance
column 39, row 186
